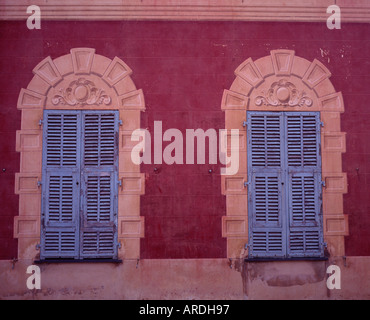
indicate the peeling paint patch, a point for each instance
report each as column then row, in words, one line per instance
column 289, row 281
column 286, row 274
column 325, row 54
column 220, row 45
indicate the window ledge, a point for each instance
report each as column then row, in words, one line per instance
column 286, row 259
column 116, row 261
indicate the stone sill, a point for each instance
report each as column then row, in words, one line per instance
column 46, row 261
column 286, row 259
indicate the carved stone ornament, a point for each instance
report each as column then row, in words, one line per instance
column 81, row 92
column 284, row 93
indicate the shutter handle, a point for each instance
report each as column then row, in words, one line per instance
column 323, row 183
column 120, row 183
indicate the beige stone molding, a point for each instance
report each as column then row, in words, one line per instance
column 234, row 227
column 243, row 10
column 285, row 82
column 81, row 79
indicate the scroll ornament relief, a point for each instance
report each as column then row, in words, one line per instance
column 284, row 93
column 81, row 92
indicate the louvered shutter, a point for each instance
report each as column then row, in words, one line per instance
column 99, row 184
column 265, row 160
column 284, row 170
column 304, row 180
column 60, row 190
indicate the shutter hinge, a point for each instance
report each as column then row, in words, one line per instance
column 119, row 245
column 321, row 124
column 323, row 183
column 119, row 182
column 39, row 184
column 38, row 247
column 120, row 122
column 247, row 246
column 246, row 184
column 245, row 124
column 41, row 122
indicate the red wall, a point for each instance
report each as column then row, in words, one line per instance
column 183, row 68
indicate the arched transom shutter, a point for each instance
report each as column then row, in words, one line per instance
column 79, row 188
column 284, row 198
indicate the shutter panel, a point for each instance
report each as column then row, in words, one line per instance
column 267, row 205
column 305, row 242
column 267, row 244
column 265, row 140
column 61, row 139
column 302, row 139
column 303, row 201
column 60, row 192
column 98, row 243
column 99, row 200
column 267, row 230
column 99, row 134
column 60, row 243
column 304, row 180
column 99, row 185
column 61, row 203
column 265, row 158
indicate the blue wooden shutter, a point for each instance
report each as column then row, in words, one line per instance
column 265, row 161
column 60, row 190
column 304, row 181
column 99, row 184
column 284, row 170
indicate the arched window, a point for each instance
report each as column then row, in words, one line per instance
column 285, row 200
column 78, row 188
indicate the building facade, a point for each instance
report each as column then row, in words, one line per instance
column 273, row 89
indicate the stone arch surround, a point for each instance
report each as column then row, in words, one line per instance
column 79, row 80
column 283, row 81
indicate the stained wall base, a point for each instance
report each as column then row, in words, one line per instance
column 194, row 279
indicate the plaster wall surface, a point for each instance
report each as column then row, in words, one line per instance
column 183, row 69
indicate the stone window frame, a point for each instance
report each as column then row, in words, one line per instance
column 52, row 84
column 255, row 88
